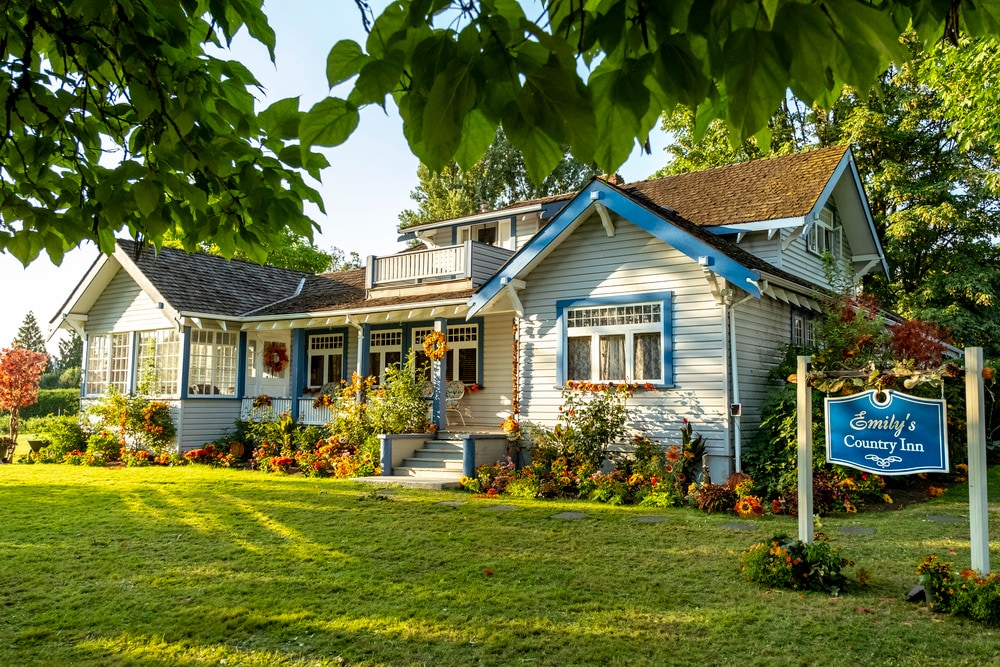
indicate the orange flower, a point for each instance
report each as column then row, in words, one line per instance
column 673, row 454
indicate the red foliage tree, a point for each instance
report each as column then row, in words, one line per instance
column 920, row 340
column 20, row 371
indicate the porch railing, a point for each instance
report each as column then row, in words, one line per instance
column 278, row 405
column 311, row 415
column 473, row 260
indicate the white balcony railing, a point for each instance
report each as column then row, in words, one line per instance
column 469, row 260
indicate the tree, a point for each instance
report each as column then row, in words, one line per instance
column 20, row 370
column 498, row 179
column 292, row 251
column 70, row 352
column 138, row 81
column 935, row 201
column 29, row 335
column 81, row 80
column 457, row 70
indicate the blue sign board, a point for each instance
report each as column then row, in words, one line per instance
column 899, row 436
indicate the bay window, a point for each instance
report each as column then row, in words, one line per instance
column 159, row 355
column 108, row 363
column 213, row 362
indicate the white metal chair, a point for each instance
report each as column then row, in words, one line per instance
column 454, row 391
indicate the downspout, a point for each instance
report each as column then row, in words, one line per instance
column 733, row 361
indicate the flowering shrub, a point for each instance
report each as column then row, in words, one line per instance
column 106, row 446
column 135, row 458
column 978, row 597
column 282, row 464
column 491, row 480
column 209, row 455
column 789, row 563
column 78, row 458
column 137, row 420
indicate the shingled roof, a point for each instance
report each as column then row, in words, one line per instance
column 786, row 186
column 201, row 283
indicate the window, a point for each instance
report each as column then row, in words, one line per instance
column 386, row 349
column 803, row 332
column 108, row 363
column 608, row 342
column 825, row 234
column 159, row 361
column 463, row 340
column 491, row 233
column 213, row 363
column 326, row 359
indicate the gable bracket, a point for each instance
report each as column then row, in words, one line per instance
column 609, row 225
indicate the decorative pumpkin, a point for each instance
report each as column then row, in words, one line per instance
column 435, row 346
column 236, row 449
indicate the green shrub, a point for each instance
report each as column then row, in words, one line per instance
column 63, row 433
column 398, row 405
column 783, row 562
column 977, row 597
column 53, row 402
column 105, row 445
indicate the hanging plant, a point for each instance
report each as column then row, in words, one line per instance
column 275, row 358
column 435, row 346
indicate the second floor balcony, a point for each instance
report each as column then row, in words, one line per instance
column 472, row 263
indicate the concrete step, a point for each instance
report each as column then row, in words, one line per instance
column 434, row 473
column 443, row 445
column 438, row 454
column 433, row 464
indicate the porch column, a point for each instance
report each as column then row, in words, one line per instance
column 241, row 366
column 439, row 377
column 185, row 362
column 364, row 350
column 299, row 360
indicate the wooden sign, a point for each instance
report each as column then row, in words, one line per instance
column 887, row 433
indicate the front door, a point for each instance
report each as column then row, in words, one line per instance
column 269, row 364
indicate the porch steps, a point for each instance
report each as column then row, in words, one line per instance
column 438, row 459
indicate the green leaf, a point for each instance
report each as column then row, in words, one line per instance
column 621, row 101
column 802, row 28
column 450, row 100
column 477, row 135
column 147, row 195
column 281, row 119
column 329, row 123
column 344, row 61
column 755, row 80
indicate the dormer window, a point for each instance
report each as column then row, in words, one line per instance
column 825, row 234
column 490, row 233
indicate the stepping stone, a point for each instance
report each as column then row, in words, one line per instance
column 387, row 491
column 940, row 518
column 649, row 519
column 569, row 516
column 452, row 503
column 856, row 530
column 502, row 508
column 733, row 525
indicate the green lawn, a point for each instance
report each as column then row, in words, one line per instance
column 195, row 566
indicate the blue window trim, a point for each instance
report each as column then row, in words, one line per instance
column 304, row 352
column 664, row 298
column 185, row 360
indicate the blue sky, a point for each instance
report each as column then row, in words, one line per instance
column 366, row 187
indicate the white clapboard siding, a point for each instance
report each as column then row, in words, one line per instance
column 589, row 264
column 797, row 259
column 491, row 405
column 763, row 327
column 758, row 243
column 204, row 420
column 123, row 306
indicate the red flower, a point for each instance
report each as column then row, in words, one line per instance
column 488, row 573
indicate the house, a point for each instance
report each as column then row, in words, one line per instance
column 688, row 284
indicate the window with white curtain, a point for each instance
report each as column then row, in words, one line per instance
column 616, row 343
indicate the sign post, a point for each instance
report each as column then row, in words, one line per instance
column 805, row 451
column 978, row 510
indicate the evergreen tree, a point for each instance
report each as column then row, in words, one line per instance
column 29, row 336
column 70, row 352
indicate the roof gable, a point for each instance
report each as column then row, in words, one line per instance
column 670, row 228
